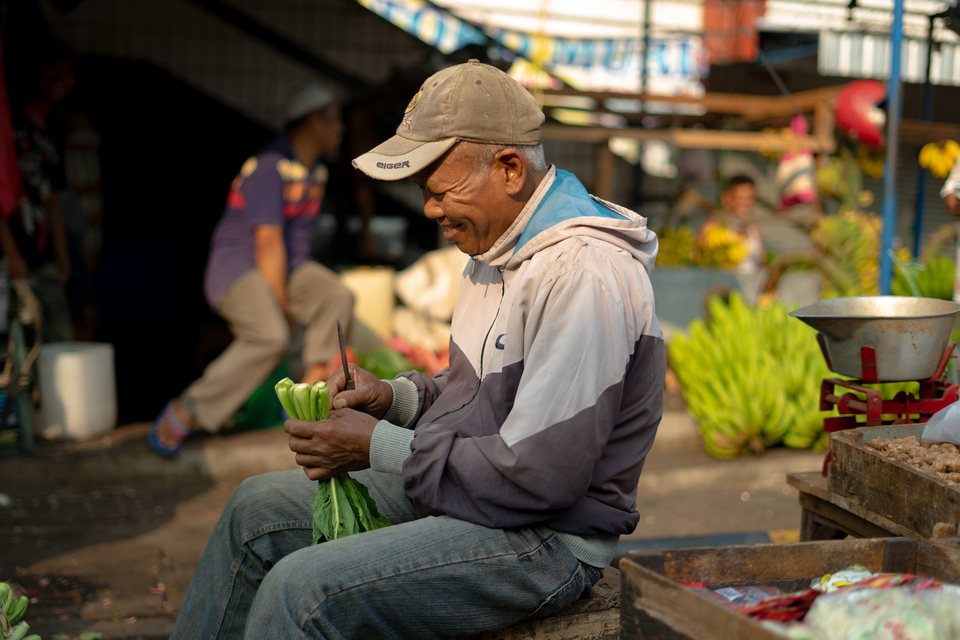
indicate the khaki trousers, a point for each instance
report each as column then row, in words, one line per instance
column 316, row 299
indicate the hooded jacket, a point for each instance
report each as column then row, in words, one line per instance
column 554, row 390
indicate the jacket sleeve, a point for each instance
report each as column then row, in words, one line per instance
column 428, row 388
column 579, row 337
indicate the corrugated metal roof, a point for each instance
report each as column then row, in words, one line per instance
column 860, row 55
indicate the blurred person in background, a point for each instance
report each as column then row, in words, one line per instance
column 736, row 216
column 950, row 192
column 260, row 277
column 33, row 237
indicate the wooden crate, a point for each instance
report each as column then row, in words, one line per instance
column 913, row 501
column 655, row 605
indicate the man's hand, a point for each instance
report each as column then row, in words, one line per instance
column 331, row 447
column 372, row 395
column 953, row 204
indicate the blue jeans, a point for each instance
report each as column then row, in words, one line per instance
column 259, row 577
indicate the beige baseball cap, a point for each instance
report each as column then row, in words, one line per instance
column 471, row 101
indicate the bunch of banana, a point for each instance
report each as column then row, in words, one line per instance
column 871, row 162
column 722, row 246
column 751, row 378
column 852, row 240
column 677, row 247
column 939, row 158
column 12, row 609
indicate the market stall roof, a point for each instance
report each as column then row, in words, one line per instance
column 598, row 19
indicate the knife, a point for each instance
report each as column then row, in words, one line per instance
column 348, row 384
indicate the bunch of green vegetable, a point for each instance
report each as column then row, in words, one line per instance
column 342, row 505
column 12, row 609
column 932, row 278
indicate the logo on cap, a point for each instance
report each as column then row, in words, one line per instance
column 393, row 165
column 414, row 101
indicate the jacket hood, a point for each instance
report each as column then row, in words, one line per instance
column 561, row 208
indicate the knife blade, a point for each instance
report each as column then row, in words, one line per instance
column 348, row 384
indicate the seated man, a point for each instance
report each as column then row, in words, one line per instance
column 509, row 476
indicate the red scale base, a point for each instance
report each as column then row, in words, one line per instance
column 934, row 395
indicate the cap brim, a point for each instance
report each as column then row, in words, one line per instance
column 400, row 158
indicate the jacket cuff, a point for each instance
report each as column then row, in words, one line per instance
column 406, row 401
column 389, row 447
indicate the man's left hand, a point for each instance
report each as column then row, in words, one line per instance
column 331, row 447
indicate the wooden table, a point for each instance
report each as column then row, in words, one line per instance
column 829, row 516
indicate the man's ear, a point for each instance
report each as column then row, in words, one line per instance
column 512, row 169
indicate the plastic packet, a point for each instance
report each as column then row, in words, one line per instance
column 943, row 426
column 844, row 577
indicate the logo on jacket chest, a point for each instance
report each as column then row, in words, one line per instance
column 499, row 343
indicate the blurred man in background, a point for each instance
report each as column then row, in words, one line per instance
column 260, row 277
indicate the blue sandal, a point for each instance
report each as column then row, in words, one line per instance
column 176, row 430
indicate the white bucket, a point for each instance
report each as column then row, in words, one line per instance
column 372, row 288
column 78, row 390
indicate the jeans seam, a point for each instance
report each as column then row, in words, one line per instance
column 274, row 527
column 561, row 589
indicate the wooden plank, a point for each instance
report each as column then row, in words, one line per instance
column 603, row 183
column 814, row 527
column 750, row 106
column 691, row 138
column 741, row 563
column 812, row 482
column 832, row 515
column 864, row 481
column 918, row 132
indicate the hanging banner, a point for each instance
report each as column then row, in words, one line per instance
column 676, row 65
column 436, row 27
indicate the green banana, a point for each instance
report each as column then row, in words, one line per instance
column 751, row 377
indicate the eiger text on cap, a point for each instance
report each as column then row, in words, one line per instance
column 472, row 101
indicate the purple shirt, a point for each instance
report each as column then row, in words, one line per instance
column 273, row 188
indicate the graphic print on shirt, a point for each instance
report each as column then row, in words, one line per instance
column 302, row 191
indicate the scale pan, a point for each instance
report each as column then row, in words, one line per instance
column 909, row 335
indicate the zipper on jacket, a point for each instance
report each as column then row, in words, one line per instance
column 483, row 350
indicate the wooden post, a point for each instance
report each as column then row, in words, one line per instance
column 604, row 168
column 824, row 126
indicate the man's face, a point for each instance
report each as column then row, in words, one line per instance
column 327, row 128
column 739, row 200
column 472, row 208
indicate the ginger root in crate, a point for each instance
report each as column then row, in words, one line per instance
column 941, row 460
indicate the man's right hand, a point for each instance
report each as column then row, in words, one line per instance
column 372, row 395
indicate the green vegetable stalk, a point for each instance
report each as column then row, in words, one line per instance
column 342, row 506
column 12, row 609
